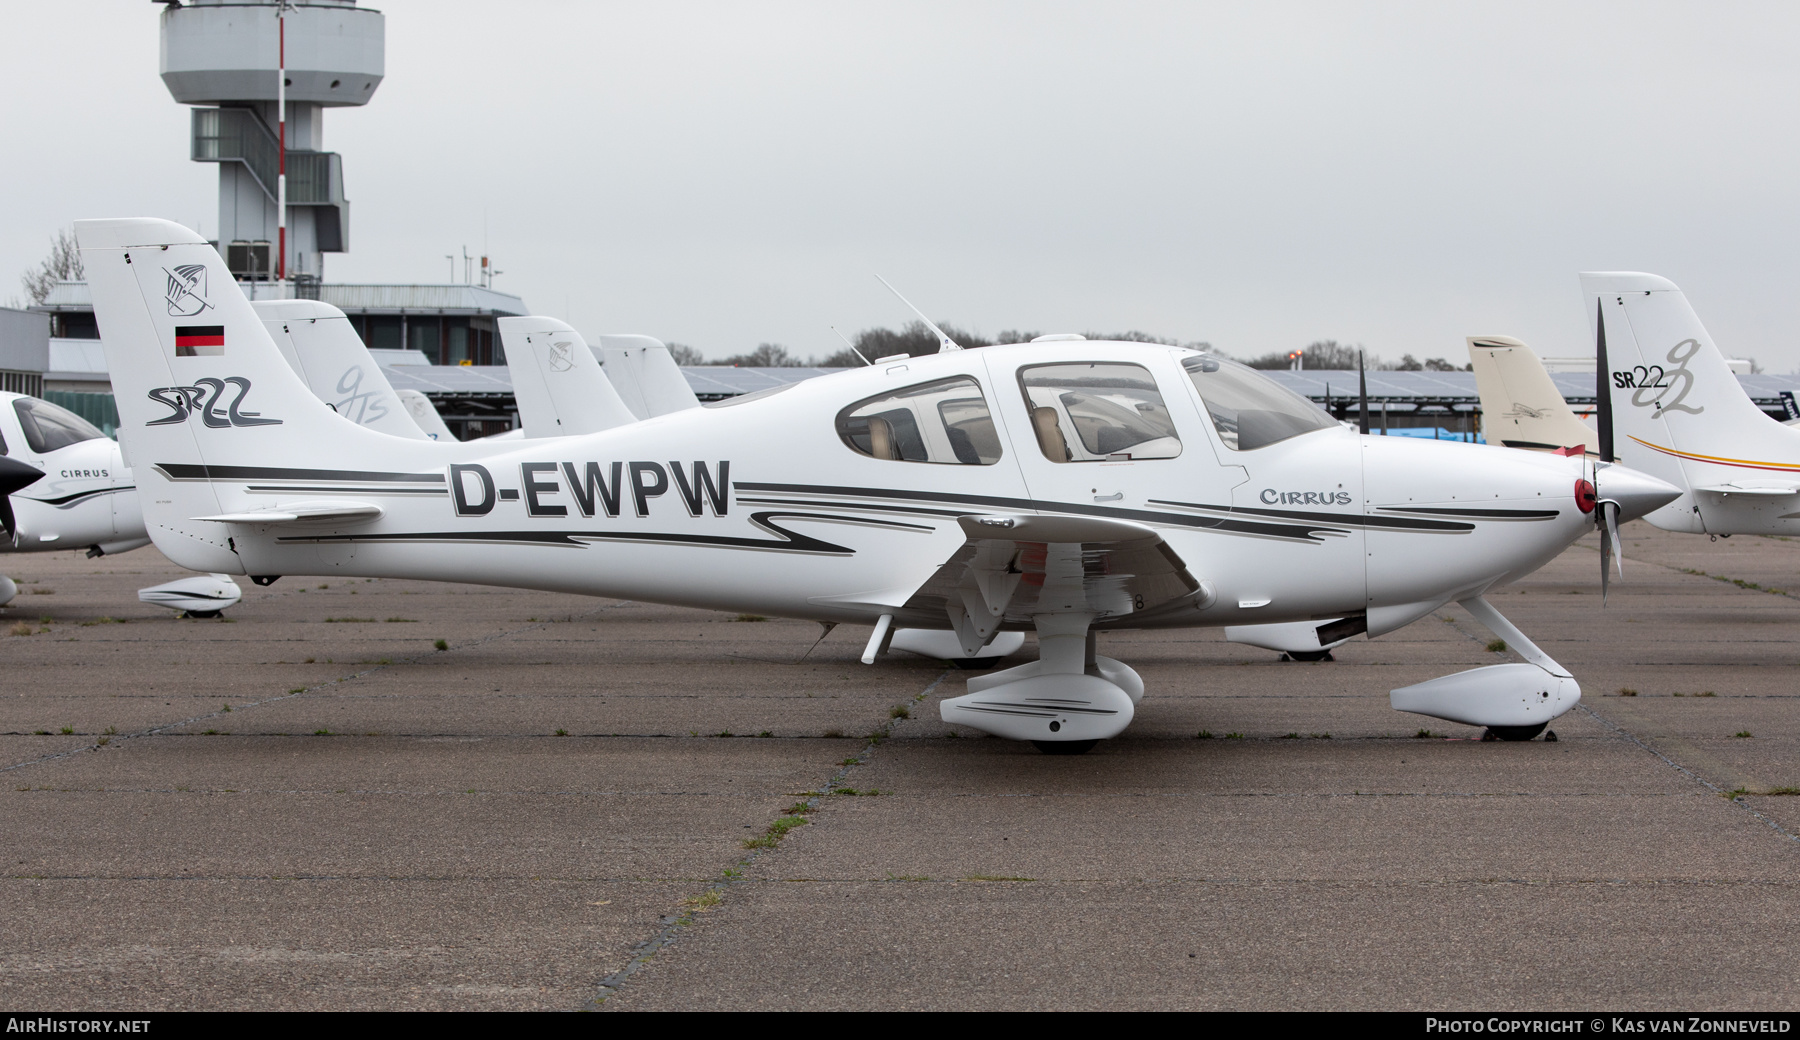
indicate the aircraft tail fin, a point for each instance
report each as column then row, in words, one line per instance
column 646, row 375
column 319, row 344
column 206, row 401
column 558, row 383
column 1677, row 411
column 1521, row 406
column 425, row 415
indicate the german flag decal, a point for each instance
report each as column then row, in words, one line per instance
column 199, row 340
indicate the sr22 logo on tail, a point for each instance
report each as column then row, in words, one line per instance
column 203, row 399
column 1651, row 383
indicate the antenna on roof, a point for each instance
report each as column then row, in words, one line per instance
column 944, row 342
column 853, row 350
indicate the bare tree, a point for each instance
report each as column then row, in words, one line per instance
column 766, row 355
column 685, row 355
column 1326, row 354
column 62, row 265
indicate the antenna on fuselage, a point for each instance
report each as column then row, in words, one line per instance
column 944, row 342
column 851, row 345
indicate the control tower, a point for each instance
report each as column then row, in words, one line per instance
column 226, row 56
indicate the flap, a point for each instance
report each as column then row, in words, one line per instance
column 302, row 513
column 1014, row 567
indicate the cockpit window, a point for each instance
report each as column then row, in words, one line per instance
column 945, row 422
column 1249, row 409
column 1096, row 411
column 48, row 427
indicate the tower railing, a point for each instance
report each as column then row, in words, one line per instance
column 239, row 135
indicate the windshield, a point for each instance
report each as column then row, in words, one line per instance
column 1249, row 409
column 48, row 427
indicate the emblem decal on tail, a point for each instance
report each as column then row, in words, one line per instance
column 1651, row 383
column 203, row 399
column 186, row 291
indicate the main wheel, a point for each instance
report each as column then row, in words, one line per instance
column 1065, row 747
column 208, row 614
column 974, row 664
column 1309, row 655
column 1513, row 732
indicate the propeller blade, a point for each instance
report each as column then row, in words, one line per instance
column 1362, row 393
column 1606, row 551
column 1611, row 511
column 14, row 475
column 1603, row 410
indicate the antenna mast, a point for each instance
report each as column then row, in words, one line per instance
column 945, row 343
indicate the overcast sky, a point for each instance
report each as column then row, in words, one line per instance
column 1257, row 175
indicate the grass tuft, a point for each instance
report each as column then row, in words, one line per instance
column 899, row 711
column 1234, row 736
column 349, row 621
column 1742, row 733
column 1626, row 691
column 321, row 733
column 1205, row 734
column 1424, row 734
column 441, row 645
column 1496, row 646
column 562, row 732
column 750, row 617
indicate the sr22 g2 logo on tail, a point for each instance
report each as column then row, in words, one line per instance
column 1651, row 383
column 203, row 399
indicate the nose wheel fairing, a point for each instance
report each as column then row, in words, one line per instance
column 1503, row 696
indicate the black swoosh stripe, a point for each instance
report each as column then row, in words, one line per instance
column 791, row 541
column 316, row 489
column 79, row 496
column 1229, row 524
column 1492, row 514
column 187, row 471
column 1347, row 519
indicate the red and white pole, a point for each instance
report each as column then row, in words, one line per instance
column 281, row 144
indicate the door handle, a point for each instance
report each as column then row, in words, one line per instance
column 1114, row 497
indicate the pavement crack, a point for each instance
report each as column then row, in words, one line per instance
column 1689, row 773
column 673, row 925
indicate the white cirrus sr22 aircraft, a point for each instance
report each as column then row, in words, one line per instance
column 1063, row 487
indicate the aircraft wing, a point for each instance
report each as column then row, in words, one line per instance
column 1013, row 567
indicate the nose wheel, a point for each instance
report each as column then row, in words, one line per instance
column 1513, row 732
column 1064, row 747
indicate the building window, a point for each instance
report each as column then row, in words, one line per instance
column 422, row 335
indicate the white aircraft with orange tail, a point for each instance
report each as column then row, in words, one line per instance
column 1064, row 487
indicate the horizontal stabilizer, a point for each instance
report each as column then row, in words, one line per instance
column 302, row 513
column 1739, row 489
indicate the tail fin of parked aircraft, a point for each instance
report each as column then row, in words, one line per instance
column 425, row 415
column 646, row 376
column 557, row 381
column 1676, row 409
column 1520, row 404
column 204, row 395
column 317, row 340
